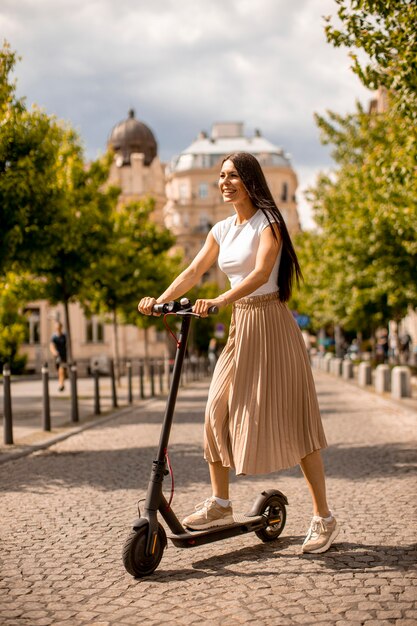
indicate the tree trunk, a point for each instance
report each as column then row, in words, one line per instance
column 68, row 332
column 116, row 348
column 338, row 340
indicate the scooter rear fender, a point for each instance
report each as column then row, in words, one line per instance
column 258, row 505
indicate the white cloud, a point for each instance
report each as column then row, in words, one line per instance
column 183, row 64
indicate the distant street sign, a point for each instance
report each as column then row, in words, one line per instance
column 219, row 331
column 302, row 320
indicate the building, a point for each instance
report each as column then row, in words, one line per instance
column 136, row 167
column 194, row 201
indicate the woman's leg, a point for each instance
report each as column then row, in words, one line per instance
column 313, row 470
column 219, row 477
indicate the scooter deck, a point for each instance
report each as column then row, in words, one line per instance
column 242, row 524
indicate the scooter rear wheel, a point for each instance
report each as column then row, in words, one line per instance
column 136, row 562
column 274, row 509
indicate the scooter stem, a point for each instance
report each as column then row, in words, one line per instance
column 176, row 377
column 154, row 496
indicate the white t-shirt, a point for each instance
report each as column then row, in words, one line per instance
column 239, row 245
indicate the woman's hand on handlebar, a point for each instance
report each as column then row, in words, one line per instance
column 201, row 307
column 146, row 305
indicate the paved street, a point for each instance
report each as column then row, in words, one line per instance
column 66, row 512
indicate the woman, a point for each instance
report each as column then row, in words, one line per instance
column 262, row 411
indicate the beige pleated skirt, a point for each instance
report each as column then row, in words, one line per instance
column 262, row 411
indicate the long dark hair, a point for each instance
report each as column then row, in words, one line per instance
column 250, row 171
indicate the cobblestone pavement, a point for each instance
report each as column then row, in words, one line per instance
column 66, row 512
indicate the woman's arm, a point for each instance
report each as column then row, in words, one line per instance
column 188, row 278
column 265, row 261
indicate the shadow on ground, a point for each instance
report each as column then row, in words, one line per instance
column 130, row 468
column 342, row 557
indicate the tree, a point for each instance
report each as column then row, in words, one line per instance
column 79, row 235
column 29, row 148
column 367, row 217
column 386, row 32
column 12, row 323
column 134, row 263
column 361, row 265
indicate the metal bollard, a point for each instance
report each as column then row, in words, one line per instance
column 96, row 375
column 113, row 384
column 141, row 381
column 152, row 375
column 75, row 417
column 7, row 406
column 129, row 382
column 161, row 376
column 46, row 410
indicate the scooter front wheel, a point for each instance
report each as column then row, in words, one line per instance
column 275, row 512
column 136, row 561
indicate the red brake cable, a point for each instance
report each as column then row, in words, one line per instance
column 170, row 330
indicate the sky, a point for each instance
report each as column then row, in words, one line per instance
column 182, row 65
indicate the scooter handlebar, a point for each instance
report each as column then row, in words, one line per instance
column 173, row 307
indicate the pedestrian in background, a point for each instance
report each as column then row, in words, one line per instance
column 262, row 412
column 58, row 347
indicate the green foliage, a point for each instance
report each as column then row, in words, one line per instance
column 361, row 266
column 8, row 60
column 134, row 263
column 81, row 227
column 12, row 323
column 29, row 148
column 386, row 32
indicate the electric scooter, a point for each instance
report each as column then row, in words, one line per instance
column 145, row 545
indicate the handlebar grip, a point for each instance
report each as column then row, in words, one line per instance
column 170, row 307
column 166, row 307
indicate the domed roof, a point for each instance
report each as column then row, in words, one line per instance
column 132, row 136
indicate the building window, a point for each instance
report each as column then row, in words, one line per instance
column 94, row 330
column 203, row 190
column 183, row 192
column 33, row 330
column 284, row 194
column 176, row 219
column 203, row 224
